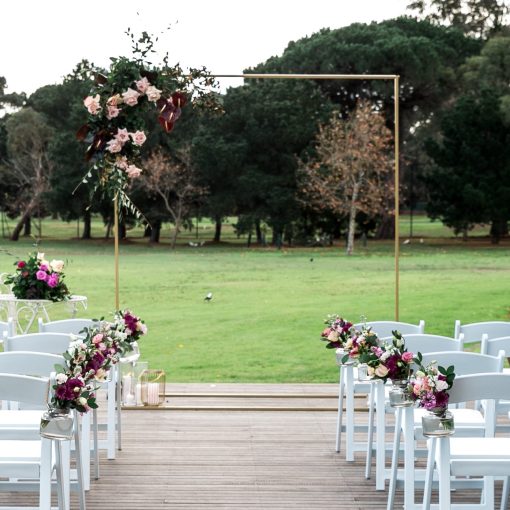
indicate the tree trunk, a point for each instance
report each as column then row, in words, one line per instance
column 28, row 212
column 175, row 234
column 122, row 230
column 248, row 244
column 27, row 227
column 258, row 231
column 352, row 220
column 499, row 228
column 155, row 231
column 87, row 225
column 147, row 232
column 386, row 228
column 109, row 228
column 217, row 229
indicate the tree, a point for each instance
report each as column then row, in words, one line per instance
column 173, row 179
column 28, row 136
column 480, row 18
column 470, row 181
column 352, row 169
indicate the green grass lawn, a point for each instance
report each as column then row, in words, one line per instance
column 264, row 321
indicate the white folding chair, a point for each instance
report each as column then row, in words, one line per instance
column 113, row 406
column 468, row 422
column 474, row 457
column 474, row 332
column 349, row 386
column 24, row 455
column 6, row 329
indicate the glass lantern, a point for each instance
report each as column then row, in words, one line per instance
column 400, row 394
column 131, row 374
column 153, row 387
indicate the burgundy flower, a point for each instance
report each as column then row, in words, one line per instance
column 21, row 264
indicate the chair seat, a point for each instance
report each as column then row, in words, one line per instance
column 20, row 459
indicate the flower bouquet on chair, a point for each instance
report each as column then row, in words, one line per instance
column 337, row 332
column 394, row 363
column 360, row 348
column 430, row 390
column 36, row 278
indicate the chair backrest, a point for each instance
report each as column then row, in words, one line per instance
column 432, row 343
column 475, row 331
column 479, row 387
column 385, row 328
column 494, row 345
column 54, row 343
column 39, row 364
column 24, row 389
column 74, row 326
column 466, row 363
column 6, row 328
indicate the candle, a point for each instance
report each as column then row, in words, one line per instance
column 126, row 387
column 138, row 395
column 153, row 394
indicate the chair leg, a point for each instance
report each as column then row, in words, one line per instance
column 505, row 494
column 349, row 413
column 59, row 461
column 85, row 451
column 370, row 441
column 443, row 467
column 45, row 475
column 64, row 457
column 429, row 473
column 95, row 435
column 112, row 390
column 79, row 464
column 118, row 401
column 394, row 459
column 340, row 411
column 380, row 452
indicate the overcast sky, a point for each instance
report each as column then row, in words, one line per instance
column 42, row 40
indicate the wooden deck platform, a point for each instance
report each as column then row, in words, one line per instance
column 184, row 459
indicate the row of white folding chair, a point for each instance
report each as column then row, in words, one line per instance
column 55, row 343
column 24, row 454
column 474, row 332
column 468, row 422
column 27, row 420
column 379, row 402
column 485, row 457
column 113, row 408
column 349, row 386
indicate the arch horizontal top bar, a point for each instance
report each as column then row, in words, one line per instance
column 310, row 76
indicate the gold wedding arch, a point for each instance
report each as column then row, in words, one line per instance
column 269, row 76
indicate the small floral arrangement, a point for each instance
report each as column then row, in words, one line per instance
column 431, row 384
column 36, row 278
column 361, row 345
column 337, row 332
column 128, row 328
column 89, row 357
column 392, row 360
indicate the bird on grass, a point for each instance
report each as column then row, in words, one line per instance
column 208, row 297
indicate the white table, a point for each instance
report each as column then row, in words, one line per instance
column 25, row 311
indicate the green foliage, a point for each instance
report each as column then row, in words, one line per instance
column 470, row 182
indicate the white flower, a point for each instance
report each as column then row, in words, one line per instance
column 57, row 265
column 61, row 378
column 441, row 385
column 82, row 401
column 153, row 94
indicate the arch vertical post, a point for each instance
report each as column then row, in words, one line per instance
column 397, row 198
column 116, row 244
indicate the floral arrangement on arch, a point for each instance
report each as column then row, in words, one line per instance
column 431, row 384
column 38, row 278
column 88, row 359
column 119, row 106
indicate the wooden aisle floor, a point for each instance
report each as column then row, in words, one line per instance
column 238, row 459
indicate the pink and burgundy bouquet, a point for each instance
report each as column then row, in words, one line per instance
column 128, row 328
column 360, row 346
column 392, row 360
column 38, row 278
column 337, row 331
column 431, row 384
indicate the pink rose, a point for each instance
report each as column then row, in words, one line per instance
column 52, row 280
column 130, row 97
column 153, row 94
column 97, row 338
column 142, row 85
column 133, row 172
column 407, row 357
column 114, row 146
column 138, row 137
column 41, row 275
column 92, row 104
column 114, row 100
column 113, row 112
column 122, row 135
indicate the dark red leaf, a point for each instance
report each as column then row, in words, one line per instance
column 178, row 99
column 82, row 132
